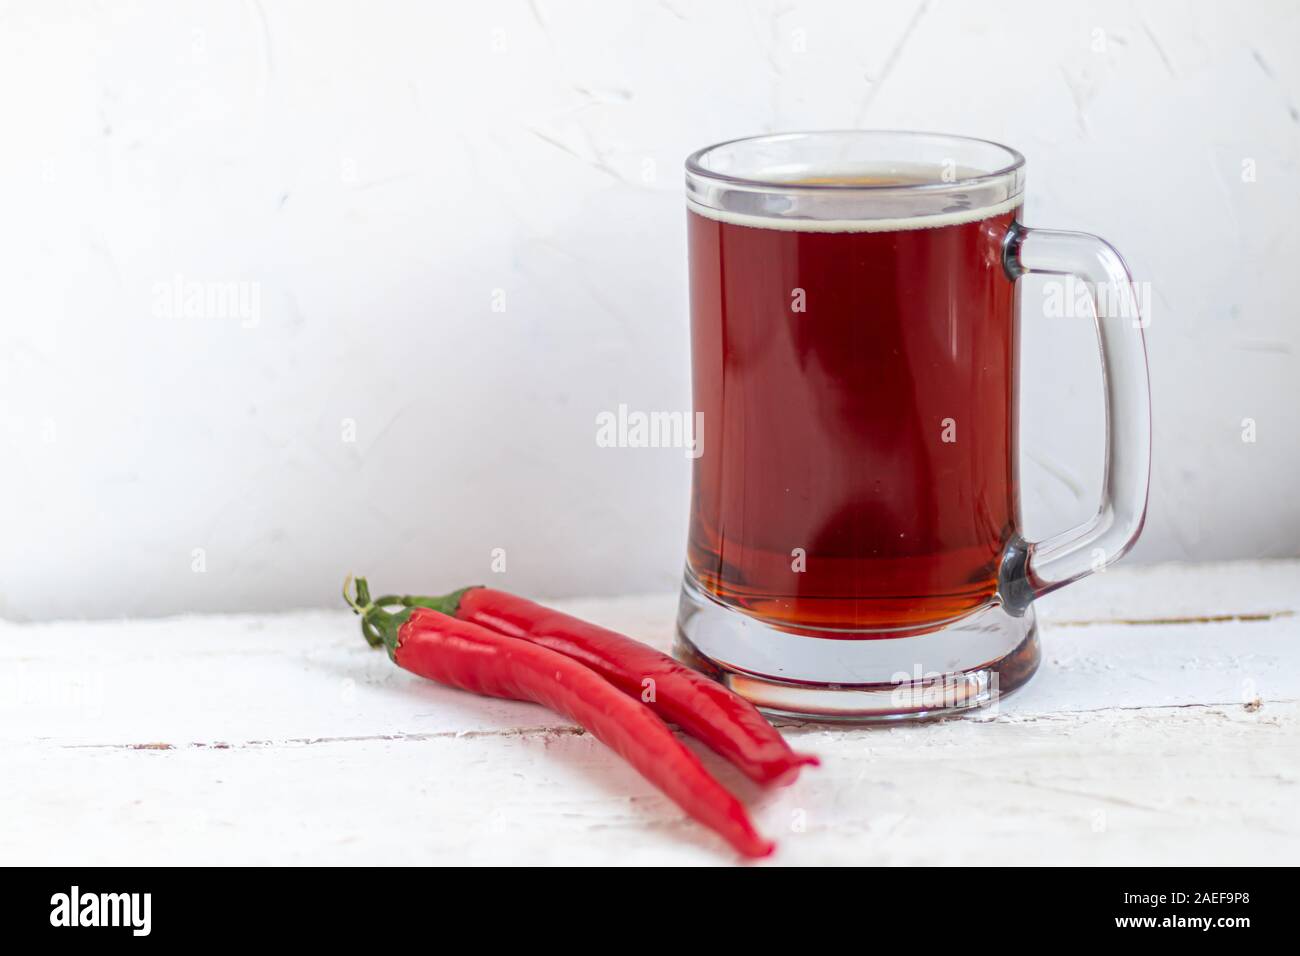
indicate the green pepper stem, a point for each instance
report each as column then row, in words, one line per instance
column 443, row 603
column 379, row 626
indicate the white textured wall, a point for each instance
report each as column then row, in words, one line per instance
column 372, row 172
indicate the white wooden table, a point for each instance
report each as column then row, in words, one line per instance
column 1163, row 727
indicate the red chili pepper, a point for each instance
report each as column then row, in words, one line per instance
column 706, row 710
column 465, row 655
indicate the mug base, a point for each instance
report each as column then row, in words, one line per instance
column 858, row 675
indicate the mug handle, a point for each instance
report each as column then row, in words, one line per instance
column 1032, row 569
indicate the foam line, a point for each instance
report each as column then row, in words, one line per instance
column 856, row 225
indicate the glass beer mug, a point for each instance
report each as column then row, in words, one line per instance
column 854, row 547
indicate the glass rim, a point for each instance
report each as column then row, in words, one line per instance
column 695, row 167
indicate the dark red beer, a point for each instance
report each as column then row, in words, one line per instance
column 874, row 430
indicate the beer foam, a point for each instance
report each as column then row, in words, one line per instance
column 898, row 224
